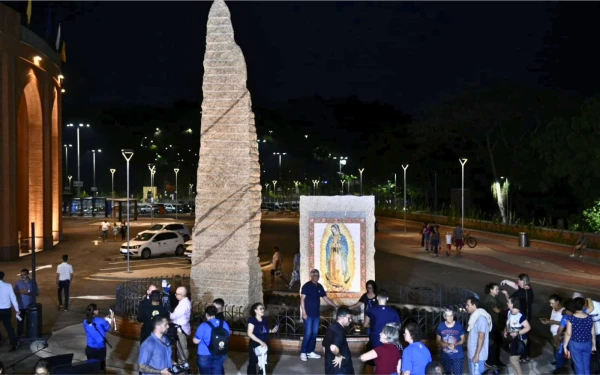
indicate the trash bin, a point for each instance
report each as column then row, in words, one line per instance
column 34, row 321
column 523, row 239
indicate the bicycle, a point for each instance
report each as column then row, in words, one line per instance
column 467, row 239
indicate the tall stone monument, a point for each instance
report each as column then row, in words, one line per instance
column 225, row 260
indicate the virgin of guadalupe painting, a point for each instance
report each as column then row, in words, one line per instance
column 338, row 247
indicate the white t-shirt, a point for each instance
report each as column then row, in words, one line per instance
column 64, row 270
column 105, row 226
column 276, row 262
column 557, row 316
column 596, row 316
column 448, row 239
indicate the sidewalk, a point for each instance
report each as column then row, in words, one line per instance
column 499, row 257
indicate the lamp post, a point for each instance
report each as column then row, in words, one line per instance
column 190, row 191
column 112, row 179
column 78, row 155
column 361, row 172
column 275, row 190
column 395, row 192
column 462, row 193
column 405, row 168
column 280, row 154
column 314, row 186
column 127, row 154
column 69, row 177
column 152, row 169
column 342, row 181
column 176, row 201
column 94, row 168
column 67, row 158
column 507, row 208
column 267, row 192
column 296, row 183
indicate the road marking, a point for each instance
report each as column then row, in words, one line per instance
column 97, row 298
column 38, row 268
column 142, row 260
column 143, row 265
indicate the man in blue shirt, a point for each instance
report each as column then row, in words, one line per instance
column 379, row 316
column 208, row 363
column 310, row 301
column 24, row 290
column 155, row 352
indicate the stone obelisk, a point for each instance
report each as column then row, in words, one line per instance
column 225, row 259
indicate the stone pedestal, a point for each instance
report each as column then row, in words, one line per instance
column 337, row 236
column 225, row 260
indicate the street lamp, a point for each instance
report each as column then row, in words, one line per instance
column 314, row 186
column 94, row 169
column 176, row 201
column 69, row 177
column 190, row 191
column 127, row 154
column 152, row 169
column 112, row 178
column 275, row 190
column 342, row 161
column 507, row 208
column 78, row 156
column 67, row 158
column 296, row 183
column 395, row 192
column 280, row 154
column 462, row 193
column 361, row 172
column 405, row 168
column 342, row 181
column 267, row 193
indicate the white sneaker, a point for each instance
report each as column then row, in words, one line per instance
column 303, row 357
column 572, row 255
column 581, row 256
column 313, row 355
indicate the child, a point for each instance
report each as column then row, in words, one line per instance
column 448, row 243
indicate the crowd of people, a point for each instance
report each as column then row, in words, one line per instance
column 431, row 239
column 574, row 324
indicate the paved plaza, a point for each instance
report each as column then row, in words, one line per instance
column 99, row 269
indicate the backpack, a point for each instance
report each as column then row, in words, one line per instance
column 219, row 339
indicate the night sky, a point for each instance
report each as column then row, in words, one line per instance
column 405, row 54
column 409, row 55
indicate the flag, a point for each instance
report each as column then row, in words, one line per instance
column 29, row 11
column 58, row 38
column 63, row 53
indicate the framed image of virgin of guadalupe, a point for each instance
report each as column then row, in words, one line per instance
column 337, row 250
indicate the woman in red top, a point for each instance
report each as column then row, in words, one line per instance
column 386, row 356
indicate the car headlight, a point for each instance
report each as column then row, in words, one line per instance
column 135, row 247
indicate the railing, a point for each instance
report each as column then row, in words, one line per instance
column 422, row 304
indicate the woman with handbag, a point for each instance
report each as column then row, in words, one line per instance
column 517, row 327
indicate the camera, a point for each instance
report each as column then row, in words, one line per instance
column 180, row 368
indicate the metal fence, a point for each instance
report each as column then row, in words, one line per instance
column 422, row 304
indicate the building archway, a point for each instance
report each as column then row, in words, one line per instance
column 30, row 202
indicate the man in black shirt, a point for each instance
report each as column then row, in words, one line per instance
column 338, row 359
column 147, row 311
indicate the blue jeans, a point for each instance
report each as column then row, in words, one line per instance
column 476, row 368
column 559, row 357
column 581, row 353
column 427, row 236
column 311, row 329
column 211, row 364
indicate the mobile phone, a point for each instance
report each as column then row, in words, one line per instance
column 164, row 283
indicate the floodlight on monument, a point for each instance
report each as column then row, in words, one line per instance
column 36, row 60
column 128, row 154
column 62, row 91
column 60, row 76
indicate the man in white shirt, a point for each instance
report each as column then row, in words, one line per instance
column 105, row 227
column 64, row 277
column 181, row 316
column 8, row 298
